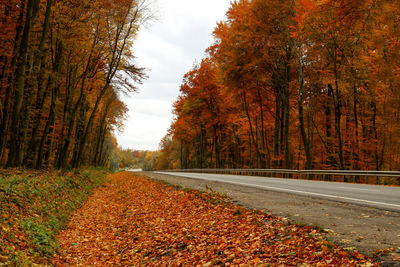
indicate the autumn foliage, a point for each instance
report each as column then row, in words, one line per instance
column 135, row 221
column 63, row 66
column 293, row 84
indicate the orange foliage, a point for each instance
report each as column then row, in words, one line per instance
column 63, row 65
column 290, row 78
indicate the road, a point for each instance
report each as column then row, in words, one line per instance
column 376, row 196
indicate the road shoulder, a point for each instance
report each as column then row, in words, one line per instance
column 370, row 231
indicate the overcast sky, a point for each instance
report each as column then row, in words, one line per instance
column 168, row 48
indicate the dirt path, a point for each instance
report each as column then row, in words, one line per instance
column 371, row 231
column 135, row 221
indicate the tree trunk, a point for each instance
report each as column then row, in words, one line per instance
column 99, row 143
column 46, row 130
column 277, row 127
column 263, row 161
column 32, row 148
column 5, row 121
column 286, row 115
column 70, row 88
column 64, row 152
column 19, row 83
column 307, row 148
column 101, row 148
column 338, row 117
column 356, row 150
column 338, row 108
column 375, row 132
column 29, row 91
column 246, row 108
column 102, row 131
column 89, row 124
column 54, row 95
column 286, row 104
column 331, row 161
column 217, row 149
column 79, row 128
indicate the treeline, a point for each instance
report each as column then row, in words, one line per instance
column 136, row 159
column 63, row 65
column 293, row 84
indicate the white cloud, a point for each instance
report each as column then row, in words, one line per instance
column 151, row 107
column 143, row 131
column 168, row 49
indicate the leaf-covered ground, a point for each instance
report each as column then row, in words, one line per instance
column 135, row 221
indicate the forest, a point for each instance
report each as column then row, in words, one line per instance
column 63, row 68
column 308, row 84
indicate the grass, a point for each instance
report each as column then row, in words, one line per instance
column 35, row 206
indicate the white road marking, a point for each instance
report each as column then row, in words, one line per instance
column 360, row 189
column 302, row 192
column 319, row 194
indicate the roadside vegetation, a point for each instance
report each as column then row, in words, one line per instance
column 35, row 206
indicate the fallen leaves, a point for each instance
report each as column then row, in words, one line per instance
column 382, row 252
column 136, row 221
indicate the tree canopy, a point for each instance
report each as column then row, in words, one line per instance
column 63, row 67
column 293, row 84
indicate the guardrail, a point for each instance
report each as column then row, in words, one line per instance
column 354, row 176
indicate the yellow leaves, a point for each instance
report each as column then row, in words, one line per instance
column 5, row 229
column 381, row 252
column 350, row 249
column 3, row 259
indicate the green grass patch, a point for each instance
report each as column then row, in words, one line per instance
column 35, row 206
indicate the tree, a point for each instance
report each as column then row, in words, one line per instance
column 306, row 84
column 63, row 66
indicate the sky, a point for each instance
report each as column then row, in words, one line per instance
column 167, row 48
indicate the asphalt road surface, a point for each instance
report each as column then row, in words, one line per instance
column 376, row 196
